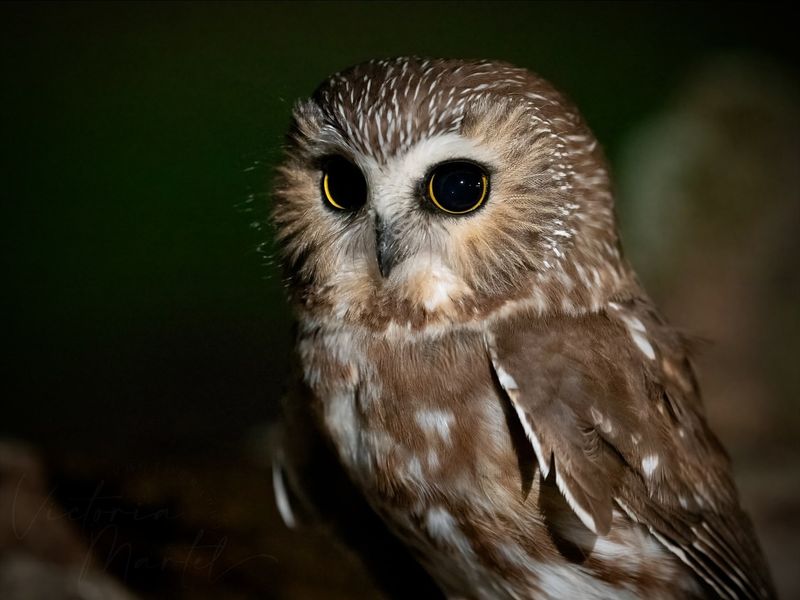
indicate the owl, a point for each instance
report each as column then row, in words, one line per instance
column 486, row 402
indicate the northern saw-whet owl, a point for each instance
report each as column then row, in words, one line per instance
column 483, row 386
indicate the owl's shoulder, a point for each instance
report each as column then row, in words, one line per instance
column 611, row 406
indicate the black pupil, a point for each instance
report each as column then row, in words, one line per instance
column 458, row 186
column 346, row 184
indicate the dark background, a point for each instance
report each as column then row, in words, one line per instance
column 145, row 330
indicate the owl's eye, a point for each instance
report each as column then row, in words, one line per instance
column 343, row 184
column 458, row 187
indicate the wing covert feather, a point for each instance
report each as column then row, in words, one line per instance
column 609, row 401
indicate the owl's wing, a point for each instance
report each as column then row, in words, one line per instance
column 610, row 403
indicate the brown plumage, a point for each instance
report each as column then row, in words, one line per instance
column 492, row 383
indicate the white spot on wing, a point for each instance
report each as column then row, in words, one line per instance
column 600, row 421
column 649, row 464
column 643, row 344
column 637, row 331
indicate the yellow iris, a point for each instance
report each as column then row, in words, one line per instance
column 328, row 195
column 432, row 196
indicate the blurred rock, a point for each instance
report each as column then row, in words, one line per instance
column 26, row 577
column 711, row 199
column 196, row 527
column 710, row 207
column 42, row 556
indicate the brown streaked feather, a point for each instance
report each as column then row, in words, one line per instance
column 622, row 429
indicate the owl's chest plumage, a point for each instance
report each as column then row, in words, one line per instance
column 408, row 416
column 424, row 430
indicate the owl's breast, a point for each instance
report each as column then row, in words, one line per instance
column 411, row 419
column 424, row 431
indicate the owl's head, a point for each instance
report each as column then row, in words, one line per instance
column 418, row 192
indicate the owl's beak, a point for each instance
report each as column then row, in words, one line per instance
column 384, row 247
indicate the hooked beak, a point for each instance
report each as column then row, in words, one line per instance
column 385, row 247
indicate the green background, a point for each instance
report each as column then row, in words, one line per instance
column 145, row 331
column 142, row 310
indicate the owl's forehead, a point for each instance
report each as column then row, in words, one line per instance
column 384, row 107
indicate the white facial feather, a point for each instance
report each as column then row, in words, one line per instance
column 393, row 184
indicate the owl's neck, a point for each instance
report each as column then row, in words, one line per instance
column 572, row 288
